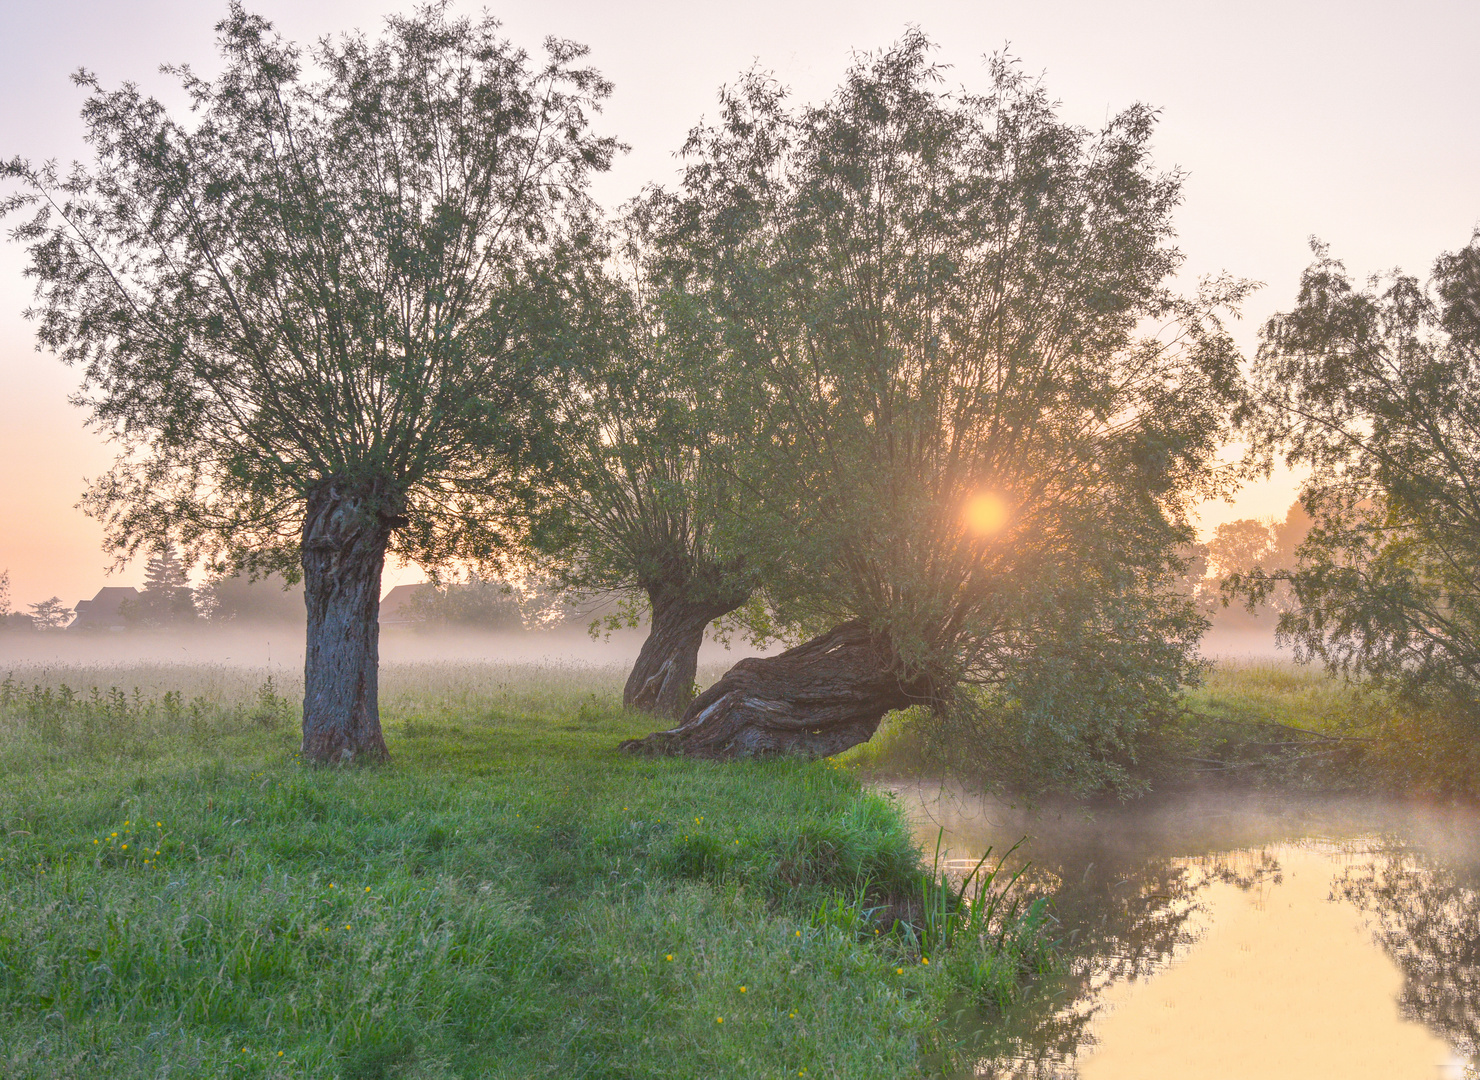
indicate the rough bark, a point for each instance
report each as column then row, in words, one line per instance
column 345, row 533
column 662, row 680
column 817, row 699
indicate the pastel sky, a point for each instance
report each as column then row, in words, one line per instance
column 1357, row 121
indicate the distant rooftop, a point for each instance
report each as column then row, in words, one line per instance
column 104, row 611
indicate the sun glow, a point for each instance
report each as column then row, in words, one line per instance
column 985, row 514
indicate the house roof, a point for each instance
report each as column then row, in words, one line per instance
column 103, row 612
column 394, row 607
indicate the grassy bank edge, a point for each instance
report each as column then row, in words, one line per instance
column 510, row 898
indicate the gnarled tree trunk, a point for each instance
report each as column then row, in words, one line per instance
column 662, row 680
column 817, row 699
column 344, row 538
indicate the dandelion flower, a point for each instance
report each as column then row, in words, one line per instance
column 280, row 1053
column 125, row 847
column 367, row 888
column 669, row 958
column 799, row 933
column 112, row 836
column 742, row 989
column 160, row 824
column 793, row 1016
column 924, row 959
column 331, row 884
column 346, row 926
column 94, row 841
column 899, row 971
column 719, row 1019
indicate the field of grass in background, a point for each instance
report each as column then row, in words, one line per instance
column 510, row 898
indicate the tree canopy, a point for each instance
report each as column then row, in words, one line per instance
column 1376, row 388
column 310, row 312
column 981, row 415
column 646, row 506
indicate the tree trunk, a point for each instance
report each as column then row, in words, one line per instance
column 817, row 699
column 344, row 538
column 662, row 680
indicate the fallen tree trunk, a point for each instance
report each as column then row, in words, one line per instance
column 662, row 680
column 815, row 700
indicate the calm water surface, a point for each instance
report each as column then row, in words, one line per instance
column 1236, row 936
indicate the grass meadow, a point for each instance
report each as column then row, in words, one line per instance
column 179, row 897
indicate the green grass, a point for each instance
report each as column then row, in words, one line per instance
column 510, row 898
column 1282, row 692
column 1270, row 724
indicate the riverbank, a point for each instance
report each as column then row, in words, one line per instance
column 1255, row 724
column 510, row 898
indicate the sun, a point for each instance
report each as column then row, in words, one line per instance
column 985, row 514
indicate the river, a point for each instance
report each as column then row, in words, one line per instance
column 1231, row 936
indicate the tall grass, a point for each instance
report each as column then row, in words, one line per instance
column 179, row 897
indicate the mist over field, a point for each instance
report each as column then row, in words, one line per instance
column 278, row 650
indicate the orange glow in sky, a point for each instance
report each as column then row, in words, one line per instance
column 985, row 514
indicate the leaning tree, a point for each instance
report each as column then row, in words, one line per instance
column 305, row 310
column 983, row 416
column 644, row 504
column 1376, row 389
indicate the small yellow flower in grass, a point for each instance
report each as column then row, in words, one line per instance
column 742, row 989
column 899, row 971
column 331, row 884
column 367, row 888
column 94, row 841
column 924, row 959
column 125, row 847
column 280, row 1053
column 669, row 958
column 112, row 836
column 159, row 824
column 719, row 1019
column 793, row 1016
column 346, row 926
column 799, row 933
column 125, row 824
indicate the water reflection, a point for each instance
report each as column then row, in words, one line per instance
column 1231, row 938
column 1427, row 914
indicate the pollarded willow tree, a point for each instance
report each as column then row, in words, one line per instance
column 1376, row 390
column 645, row 504
column 311, row 312
column 975, row 467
